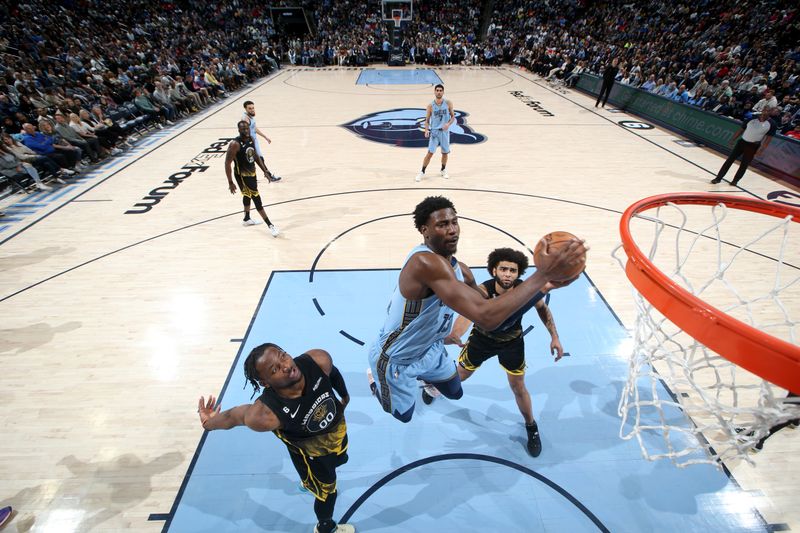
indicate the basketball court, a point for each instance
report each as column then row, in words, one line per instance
column 131, row 292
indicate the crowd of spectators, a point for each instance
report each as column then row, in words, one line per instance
column 732, row 58
column 347, row 34
column 79, row 79
column 444, row 33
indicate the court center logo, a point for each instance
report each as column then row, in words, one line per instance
column 404, row 127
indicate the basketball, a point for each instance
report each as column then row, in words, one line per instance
column 554, row 241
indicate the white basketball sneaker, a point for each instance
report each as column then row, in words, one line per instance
column 419, row 177
column 445, row 175
column 274, row 230
column 250, row 222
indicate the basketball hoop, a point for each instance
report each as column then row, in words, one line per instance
column 719, row 334
column 397, row 17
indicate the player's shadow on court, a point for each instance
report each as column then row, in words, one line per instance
column 684, row 488
column 494, row 432
column 264, row 517
column 432, row 491
column 113, row 487
column 21, row 340
column 572, row 411
column 17, row 261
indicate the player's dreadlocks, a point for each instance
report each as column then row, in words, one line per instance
column 250, row 372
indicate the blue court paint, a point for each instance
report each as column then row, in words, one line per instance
column 244, row 481
column 398, row 77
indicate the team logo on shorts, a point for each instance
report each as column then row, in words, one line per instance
column 403, row 127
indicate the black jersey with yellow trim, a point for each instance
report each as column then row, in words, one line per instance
column 508, row 333
column 314, row 421
column 245, row 160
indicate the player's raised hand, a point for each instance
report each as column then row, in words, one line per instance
column 206, row 409
column 559, row 263
column 552, row 284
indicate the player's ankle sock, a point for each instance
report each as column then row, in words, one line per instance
column 423, row 169
column 443, row 166
column 247, row 217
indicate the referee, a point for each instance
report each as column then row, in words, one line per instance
column 751, row 136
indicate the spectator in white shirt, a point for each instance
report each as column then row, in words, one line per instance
column 769, row 101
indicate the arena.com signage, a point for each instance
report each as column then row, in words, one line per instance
column 530, row 102
column 197, row 164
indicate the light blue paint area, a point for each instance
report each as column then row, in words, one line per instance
column 244, row 481
column 398, row 77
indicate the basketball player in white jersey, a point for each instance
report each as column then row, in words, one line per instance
column 249, row 116
column 438, row 120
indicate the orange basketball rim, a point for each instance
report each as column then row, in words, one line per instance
column 773, row 359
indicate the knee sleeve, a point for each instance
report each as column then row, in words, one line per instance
column 451, row 388
column 246, row 201
column 257, row 201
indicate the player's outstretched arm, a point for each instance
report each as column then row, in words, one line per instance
column 434, row 272
column 256, row 416
column 259, row 132
column 462, row 324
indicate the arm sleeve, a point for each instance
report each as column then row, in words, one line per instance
column 337, row 381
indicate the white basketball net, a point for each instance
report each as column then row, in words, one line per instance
column 719, row 411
